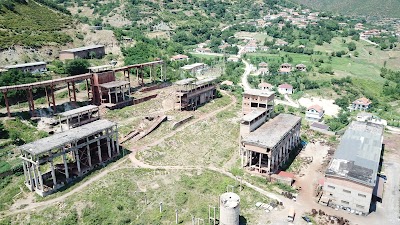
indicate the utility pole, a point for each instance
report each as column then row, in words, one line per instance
column 176, row 216
column 160, row 207
column 209, row 214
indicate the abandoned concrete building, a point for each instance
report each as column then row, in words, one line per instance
column 95, row 51
column 78, row 117
column 33, row 67
column 195, row 68
column 255, row 99
column 268, row 148
column 351, row 178
column 52, row 162
column 191, row 94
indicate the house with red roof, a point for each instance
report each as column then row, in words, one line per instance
column 361, row 104
column 285, row 89
column 179, row 58
column 265, row 86
column 301, row 67
column 314, row 113
column 285, row 68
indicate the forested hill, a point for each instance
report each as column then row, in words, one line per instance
column 380, row 8
column 33, row 23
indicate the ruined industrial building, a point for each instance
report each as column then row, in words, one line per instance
column 268, row 148
column 351, row 178
column 53, row 162
column 191, row 93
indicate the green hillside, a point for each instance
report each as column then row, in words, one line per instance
column 385, row 8
column 30, row 24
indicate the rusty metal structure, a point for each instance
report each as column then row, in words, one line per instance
column 93, row 80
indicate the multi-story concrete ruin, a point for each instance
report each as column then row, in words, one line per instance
column 257, row 108
column 351, row 178
column 268, row 148
column 191, row 94
column 53, row 162
column 255, row 99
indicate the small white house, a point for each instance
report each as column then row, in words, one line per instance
column 314, row 113
column 285, row 89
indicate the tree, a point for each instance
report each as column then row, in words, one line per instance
column 351, row 46
column 76, row 66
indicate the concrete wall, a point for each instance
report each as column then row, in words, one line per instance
column 341, row 191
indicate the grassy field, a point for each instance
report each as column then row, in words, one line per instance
column 212, row 141
column 119, row 199
column 387, row 8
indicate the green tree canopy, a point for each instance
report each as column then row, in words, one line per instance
column 76, row 66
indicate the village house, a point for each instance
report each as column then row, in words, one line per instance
column 351, row 178
column 285, row 68
column 195, row 68
column 179, row 58
column 267, row 149
column 224, row 46
column 281, row 43
column 361, row 104
column 263, row 65
column 285, row 89
column 233, row 59
column 34, row 67
column 359, row 26
column 95, row 51
column 264, row 48
column 262, row 71
column 203, row 50
column 265, row 86
column 251, row 47
column 301, row 67
column 314, row 113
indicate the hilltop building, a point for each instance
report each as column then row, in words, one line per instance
column 34, row 67
column 96, row 51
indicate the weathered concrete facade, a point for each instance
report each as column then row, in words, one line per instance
column 80, row 149
column 97, row 51
column 255, row 99
column 351, row 177
column 268, row 148
column 192, row 94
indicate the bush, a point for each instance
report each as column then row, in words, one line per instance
column 77, row 66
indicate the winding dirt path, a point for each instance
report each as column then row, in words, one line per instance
column 116, row 166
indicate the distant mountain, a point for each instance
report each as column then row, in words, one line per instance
column 381, row 8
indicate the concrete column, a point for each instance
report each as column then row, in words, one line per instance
column 88, row 152
column 108, row 146
column 78, row 161
column 74, row 91
column 116, row 139
column 53, row 98
column 259, row 163
column 29, row 175
column 250, row 156
column 65, row 166
column 269, row 163
column 25, row 171
column 40, row 177
column 7, row 105
column 53, row 174
column 99, row 150
column 109, row 96
column 36, row 185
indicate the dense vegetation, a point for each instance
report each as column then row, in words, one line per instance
column 30, row 24
column 387, row 8
column 14, row 77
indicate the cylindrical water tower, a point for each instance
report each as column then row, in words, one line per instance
column 229, row 209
